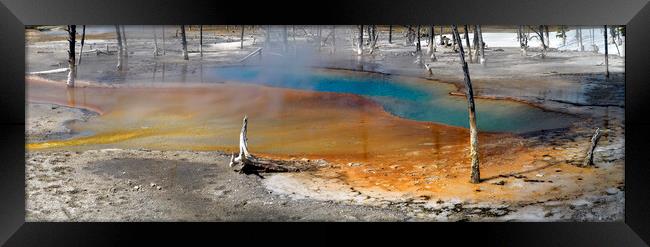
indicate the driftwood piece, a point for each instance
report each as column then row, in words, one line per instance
column 250, row 163
column 589, row 159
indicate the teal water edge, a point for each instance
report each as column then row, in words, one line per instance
column 420, row 101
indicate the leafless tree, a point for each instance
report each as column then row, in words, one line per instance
column 562, row 34
column 390, row 34
column 241, row 38
column 155, row 42
column 481, row 44
column 467, row 41
column 418, row 47
column 201, row 40
column 72, row 67
column 126, row 46
column 473, row 129
column 83, row 39
column 360, row 44
column 184, row 43
column 374, row 36
column 120, row 49
column 581, row 47
column 163, row 40
column 476, row 44
column 432, row 43
column 410, row 35
column 523, row 40
column 548, row 40
column 606, row 53
column 540, row 34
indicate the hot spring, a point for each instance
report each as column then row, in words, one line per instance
column 413, row 99
column 327, row 113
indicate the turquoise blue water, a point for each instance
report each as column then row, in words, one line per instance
column 421, row 101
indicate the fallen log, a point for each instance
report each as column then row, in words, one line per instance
column 52, row 71
column 250, row 163
column 589, row 159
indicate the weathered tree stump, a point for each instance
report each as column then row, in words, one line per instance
column 589, row 159
column 249, row 163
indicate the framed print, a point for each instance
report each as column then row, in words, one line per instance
column 434, row 117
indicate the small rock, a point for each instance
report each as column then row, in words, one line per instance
column 158, row 187
column 152, row 185
column 612, row 191
column 136, row 187
column 539, row 175
column 502, row 182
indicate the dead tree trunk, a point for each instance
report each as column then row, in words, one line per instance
column 418, row 47
column 390, row 34
column 155, row 42
column 163, row 40
column 120, row 49
column 201, row 40
column 589, row 159
column 523, row 41
column 473, row 130
column 519, row 35
column 373, row 37
column 432, row 43
column 481, row 44
column 441, row 41
column 184, row 43
column 360, row 44
column 541, row 38
column 579, row 39
column 476, row 45
column 606, row 54
column 126, row 46
column 410, row 35
column 469, row 49
column 248, row 162
column 72, row 68
column 241, row 39
column 563, row 32
column 548, row 40
column 83, row 39
column 453, row 42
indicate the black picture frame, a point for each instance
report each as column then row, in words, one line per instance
column 15, row 14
